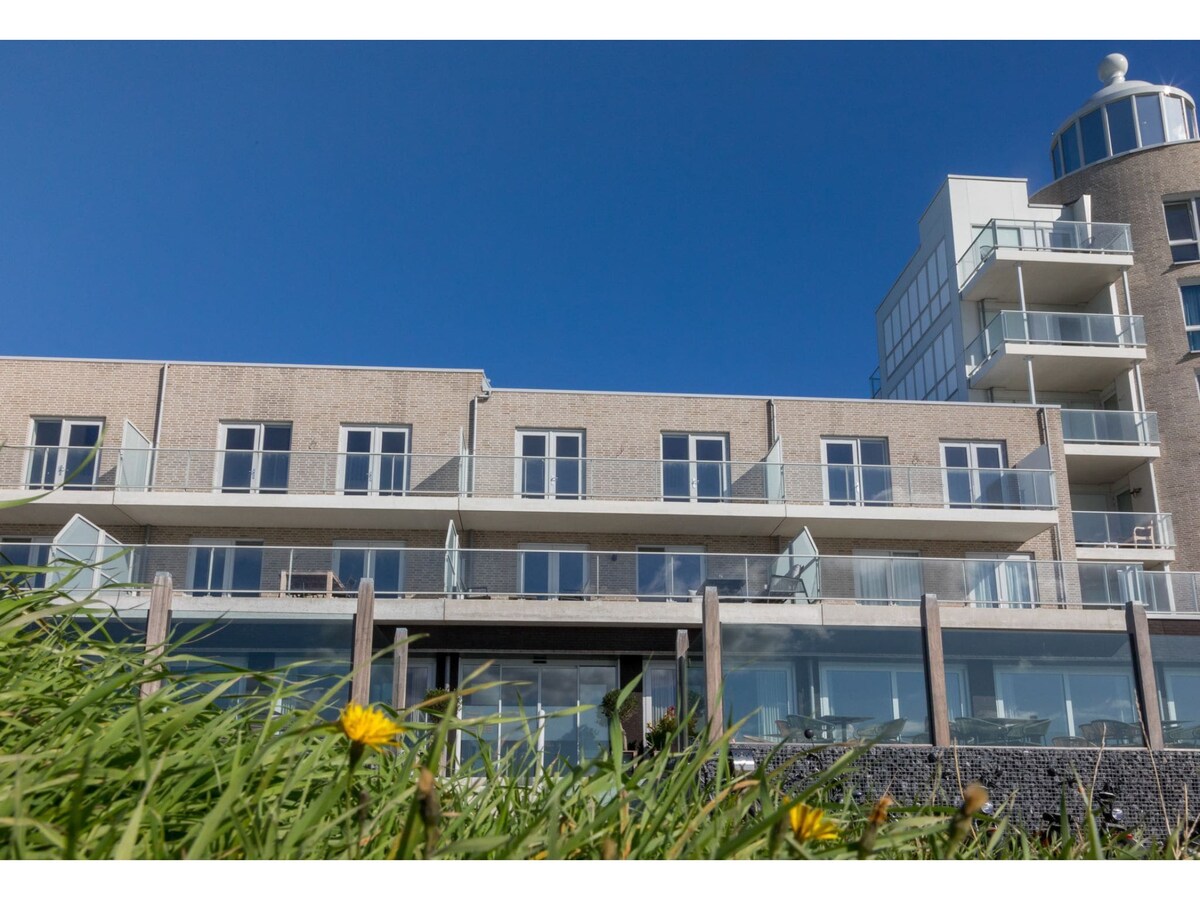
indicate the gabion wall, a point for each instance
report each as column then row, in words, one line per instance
column 1036, row 780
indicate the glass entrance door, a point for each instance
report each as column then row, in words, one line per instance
column 550, row 464
column 61, row 448
column 254, row 458
column 535, row 729
column 974, row 475
column 695, row 468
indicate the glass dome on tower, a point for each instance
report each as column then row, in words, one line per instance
column 1123, row 116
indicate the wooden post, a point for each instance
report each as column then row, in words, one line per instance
column 364, row 630
column 400, row 668
column 711, row 617
column 158, row 621
column 682, row 706
column 935, row 671
column 1143, row 670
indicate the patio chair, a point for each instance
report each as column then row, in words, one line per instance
column 885, row 732
column 1066, row 740
column 977, row 731
column 1033, row 732
column 781, row 587
column 1183, row 736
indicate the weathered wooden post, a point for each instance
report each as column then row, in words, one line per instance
column 364, row 631
column 158, row 622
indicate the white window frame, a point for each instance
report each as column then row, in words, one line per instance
column 552, row 574
column 257, row 451
column 551, row 437
column 61, row 451
column 972, row 467
column 1194, row 214
column 1003, row 601
column 369, row 549
column 1188, row 329
column 857, row 465
column 886, row 556
column 1169, row 671
column 226, row 589
column 666, row 550
column 375, row 455
column 9, row 540
column 1065, row 673
column 693, row 476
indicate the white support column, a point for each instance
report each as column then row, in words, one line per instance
column 1025, row 322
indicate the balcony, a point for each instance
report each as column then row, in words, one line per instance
column 539, row 583
column 1104, row 445
column 1069, row 351
column 1124, row 535
column 592, row 494
column 1064, row 263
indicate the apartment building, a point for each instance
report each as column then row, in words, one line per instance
column 983, row 556
column 1085, row 295
column 576, row 541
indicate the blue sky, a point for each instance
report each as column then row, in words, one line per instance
column 699, row 217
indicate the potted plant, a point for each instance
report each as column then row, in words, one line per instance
column 626, row 716
column 435, row 710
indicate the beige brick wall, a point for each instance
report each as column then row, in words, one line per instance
column 1131, row 189
column 73, row 389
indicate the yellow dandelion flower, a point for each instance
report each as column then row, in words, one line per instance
column 810, row 824
column 367, row 726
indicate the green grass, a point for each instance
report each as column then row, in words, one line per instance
column 91, row 769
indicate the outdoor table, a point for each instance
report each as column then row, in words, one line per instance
column 845, row 722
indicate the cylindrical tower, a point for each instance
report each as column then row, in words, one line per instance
column 1133, row 148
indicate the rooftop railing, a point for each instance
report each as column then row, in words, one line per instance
column 1063, row 329
column 548, row 573
column 561, row 478
column 1145, row 530
column 1052, row 237
column 1103, row 426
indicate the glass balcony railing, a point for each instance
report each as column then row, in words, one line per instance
column 1148, row 531
column 248, row 570
column 1103, row 426
column 560, row 479
column 1052, row 237
column 1066, row 329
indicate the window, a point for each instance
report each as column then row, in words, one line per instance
column 26, row 551
column 974, row 475
column 554, row 571
column 60, row 451
column 1001, row 579
column 253, row 458
column 1191, row 315
column 219, row 568
column 887, row 575
column 1149, row 116
column 382, row 561
column 695, row 467
column 857, row 472
column 669, row 573
column 1120, row 125
column 374, row 460
column 549, row 465
column 1182, row 230
column 1095, row 704
column 1092, row 128
column 857, row 692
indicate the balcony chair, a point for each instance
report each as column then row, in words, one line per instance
column 781, row 587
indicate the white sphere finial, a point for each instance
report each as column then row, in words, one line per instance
column 1113, row 68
